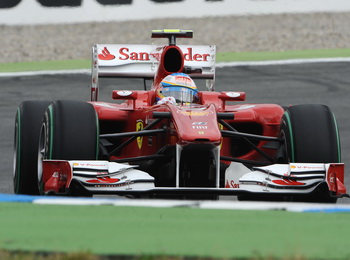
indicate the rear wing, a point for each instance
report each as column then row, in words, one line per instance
column 141, row 61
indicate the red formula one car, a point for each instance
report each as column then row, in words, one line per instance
column 173, row 140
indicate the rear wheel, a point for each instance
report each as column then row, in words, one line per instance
column 27, row 129
column 310, row 135
column 69, row 132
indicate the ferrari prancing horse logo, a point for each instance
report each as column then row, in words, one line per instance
column 139, row 127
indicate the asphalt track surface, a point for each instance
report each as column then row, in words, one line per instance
column 306, row 83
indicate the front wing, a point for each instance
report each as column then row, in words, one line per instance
column 99, row 177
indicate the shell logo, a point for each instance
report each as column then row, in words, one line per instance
column 195, row 113
column 221, row 127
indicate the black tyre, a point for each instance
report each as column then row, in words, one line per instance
column 310, row 135
column 27, row 129
column 69, row 132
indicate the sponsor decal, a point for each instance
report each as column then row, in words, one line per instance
column 139, row 127
column 89, row 165
column 126, row 54
column 199, row 125
column 307, row 167
column 231, row 184
column 195, row 113
column 195, row 57
column 106, row 55
column 113, row 185
column 221, row 127
column 156, row 56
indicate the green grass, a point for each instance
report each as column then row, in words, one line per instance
column 174, row 232
column 221, row 57
column 45, row 65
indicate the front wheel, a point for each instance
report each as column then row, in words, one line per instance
column 27, row 129
column 69, row 132
column 310, row 135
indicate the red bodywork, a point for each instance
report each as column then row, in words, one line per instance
column 189, row 124
column 136, row 114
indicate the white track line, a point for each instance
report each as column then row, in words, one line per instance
column 280, row 62
column 44, row 72
column 223, row 205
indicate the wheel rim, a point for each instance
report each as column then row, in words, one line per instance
column 16, row 157
column 42, row 154
column 290, row 147
column 338, row 138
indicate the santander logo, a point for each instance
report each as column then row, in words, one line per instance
column 106, row 55
column 124, row 53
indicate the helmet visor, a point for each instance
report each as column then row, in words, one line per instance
column 181, row 94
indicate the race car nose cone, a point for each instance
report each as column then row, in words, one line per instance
column 198, row 124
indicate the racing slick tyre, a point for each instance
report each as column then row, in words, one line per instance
column 310, row 135
column 69, row 132
column 27, row 129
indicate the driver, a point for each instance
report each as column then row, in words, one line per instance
column 177, row 88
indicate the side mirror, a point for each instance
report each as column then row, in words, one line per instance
column 124, row 94
column 232, row 96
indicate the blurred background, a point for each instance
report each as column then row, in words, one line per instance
column 36, row 30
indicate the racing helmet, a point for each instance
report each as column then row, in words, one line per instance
column 180, row 86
